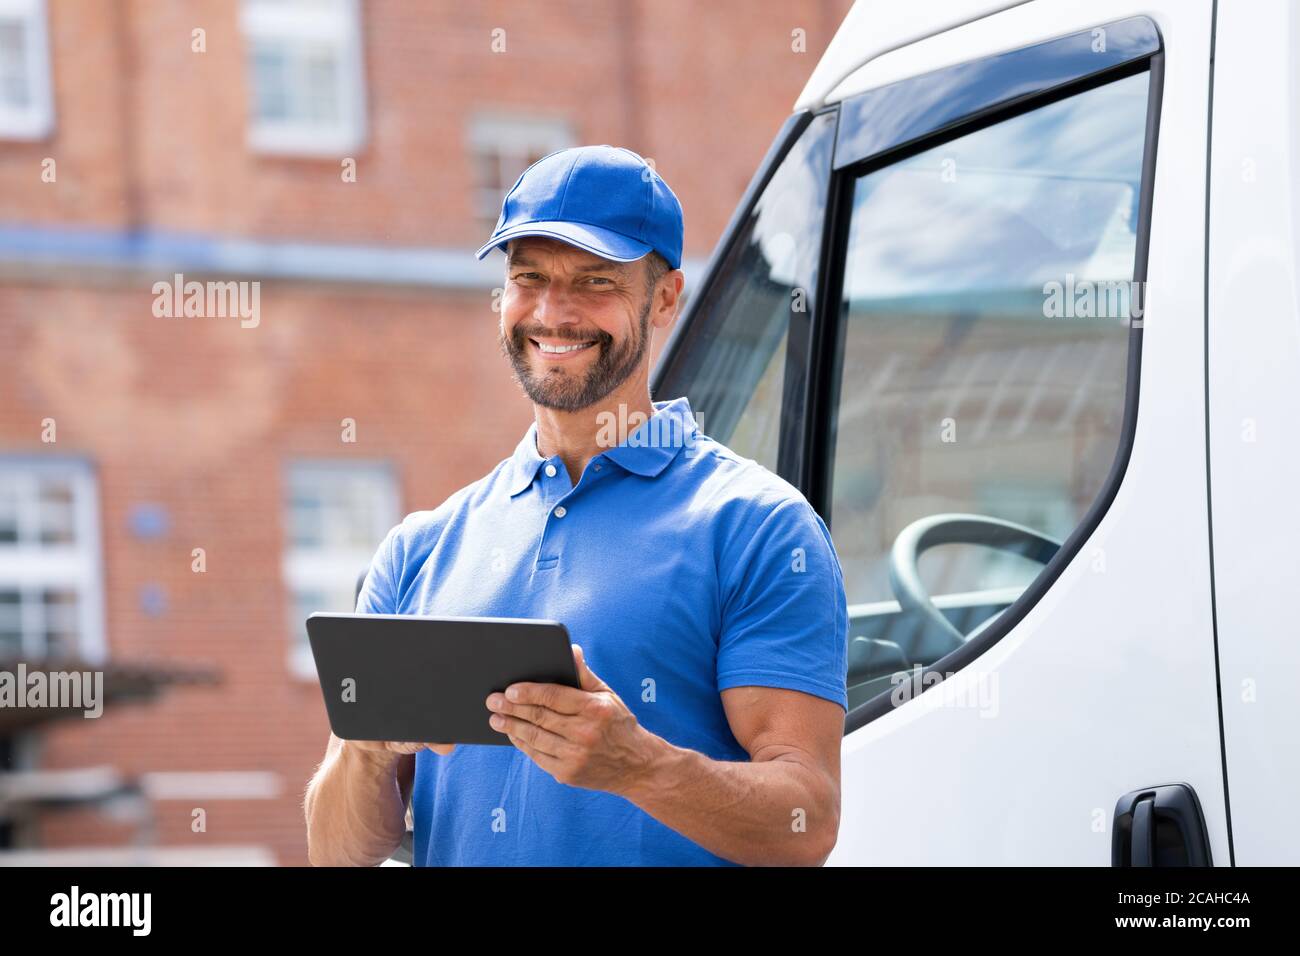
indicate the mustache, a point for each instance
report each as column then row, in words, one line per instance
column 601, row 338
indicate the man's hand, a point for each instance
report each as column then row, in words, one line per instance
column 582, row 737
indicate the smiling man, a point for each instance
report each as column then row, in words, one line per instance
column 702, row 592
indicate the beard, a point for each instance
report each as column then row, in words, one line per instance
column 567, row 391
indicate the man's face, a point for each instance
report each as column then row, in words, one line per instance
column 574, row 325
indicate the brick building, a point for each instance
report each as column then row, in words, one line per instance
column 347, row 155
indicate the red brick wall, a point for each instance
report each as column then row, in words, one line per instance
column 148, row 131
column 201, row 416
column 90, row 140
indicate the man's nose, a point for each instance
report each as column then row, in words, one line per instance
column 555, row 307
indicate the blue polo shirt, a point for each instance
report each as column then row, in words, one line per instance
column 681, row 569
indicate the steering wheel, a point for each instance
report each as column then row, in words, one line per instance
column 941, row 637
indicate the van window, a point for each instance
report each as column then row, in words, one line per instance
column 982, row 359
column 733, row 366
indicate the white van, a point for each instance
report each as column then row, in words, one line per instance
column 1013, row 301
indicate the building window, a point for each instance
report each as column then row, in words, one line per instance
column 502, row 147
column 337, row 513
column 306, row 82
column 26, row 102
column 50, row 580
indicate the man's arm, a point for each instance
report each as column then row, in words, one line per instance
column 356, row 803
column 782, row 808
column 784, row 622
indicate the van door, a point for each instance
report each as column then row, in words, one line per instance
column 961, row 308
column 1254, row 393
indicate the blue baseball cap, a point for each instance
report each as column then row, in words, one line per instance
column 605, row 199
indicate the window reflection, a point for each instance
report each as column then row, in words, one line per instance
column 958, row 392
column 733, row 367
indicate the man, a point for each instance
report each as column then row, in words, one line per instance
column 702, row 592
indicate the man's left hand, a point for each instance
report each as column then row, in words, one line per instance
column 582, row 737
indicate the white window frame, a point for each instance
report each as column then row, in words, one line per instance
column 77, row 566
column 37, row 120
column 305, row 568
column 505, row 133
column 339, row 25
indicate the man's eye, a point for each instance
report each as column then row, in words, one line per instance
column 598, row 279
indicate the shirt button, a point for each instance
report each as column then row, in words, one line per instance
column 560, row 512
column 598, row 467
column 550, row 471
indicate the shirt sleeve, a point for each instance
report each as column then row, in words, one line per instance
column 379, row 590
column 784, row 610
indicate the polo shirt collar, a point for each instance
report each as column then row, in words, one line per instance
column 655, row 442
column 647, row 451
column 525, row 461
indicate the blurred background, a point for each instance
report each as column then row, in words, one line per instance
column 178, row 492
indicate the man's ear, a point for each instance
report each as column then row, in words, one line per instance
column 670, row 286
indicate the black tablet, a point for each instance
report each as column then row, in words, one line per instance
column 421, row 679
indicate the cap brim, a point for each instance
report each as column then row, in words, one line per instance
column 594, row 239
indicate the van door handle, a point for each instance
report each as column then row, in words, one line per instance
column 1142, row 838
column 1159, row 826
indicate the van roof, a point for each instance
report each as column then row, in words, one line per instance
column 875, row 27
